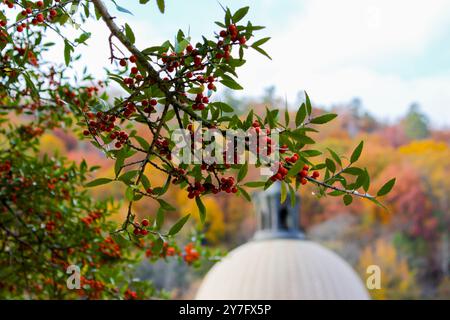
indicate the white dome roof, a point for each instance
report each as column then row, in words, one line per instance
column 281, row 269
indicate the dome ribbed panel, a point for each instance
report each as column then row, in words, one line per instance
column 282, row 269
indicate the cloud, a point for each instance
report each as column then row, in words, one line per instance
column 333, row 49
column 336, row 50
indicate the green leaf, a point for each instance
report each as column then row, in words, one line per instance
column 263, row 52
column 348, row 199
column 308, row 104
column 157, row 246
column 129, row 33
column 160, row 191
column 330, row 165
column 336, row 193
column 98, row 182
column 178, row 225
column 386, row 188
column 238, row 15
column 83, row 37
column 335, row 157
column 201, row 209
column 292, row 195
column 129, row 194
column 286, row 117
column 301, row 137
column 142, row 142
column 357, row 152
column 301, row 115
column 366, row 183
column 165, row 205
column 124, row 10
column 378, row 203
column 255, row 184
column 161, row 5
column 67, row 50
column 242, row 172
column 120, row 160
column 324, row 118
column 311, row 153
column 145, row 182
column 230, row 83
column 283, row 194
column 127, row 176
column 259, row 42
column 223, row 106
column 353, row 171
column 245, row 194
column 295, row 168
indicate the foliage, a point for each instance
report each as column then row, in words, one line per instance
column 165, row 87
column 397, row 279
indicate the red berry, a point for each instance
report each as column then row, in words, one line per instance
column 86, row 132
column 40, row 17
column 40, row 4
column 197, row 60
column 223, row 33
column 53, row 13
column 153, row 102
column 134, row 70
column 145, row 222
column 136, row 231
column 189, row 48
column 315, row 174
column 303, row 173
column 233, row 30
column 123, row 62
column 242, row 40
column 19, row 29
column 133, row 59
column 304, row 181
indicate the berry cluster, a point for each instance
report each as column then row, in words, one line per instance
column 5, row 166
column 95, row 287
column 141, row 229
column 110, row 248
column 101, row 122
column 92, row 217
column 130, row 294
column 195, row 190
column 149, row 105
column 304, row 173
column 191, row 254
column 228, row 185
column 163, row 147
column 166, row 251
column 33, row 12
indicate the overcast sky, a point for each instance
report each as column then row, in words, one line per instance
column 387, row 53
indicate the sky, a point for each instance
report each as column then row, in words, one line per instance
column 389, row 54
